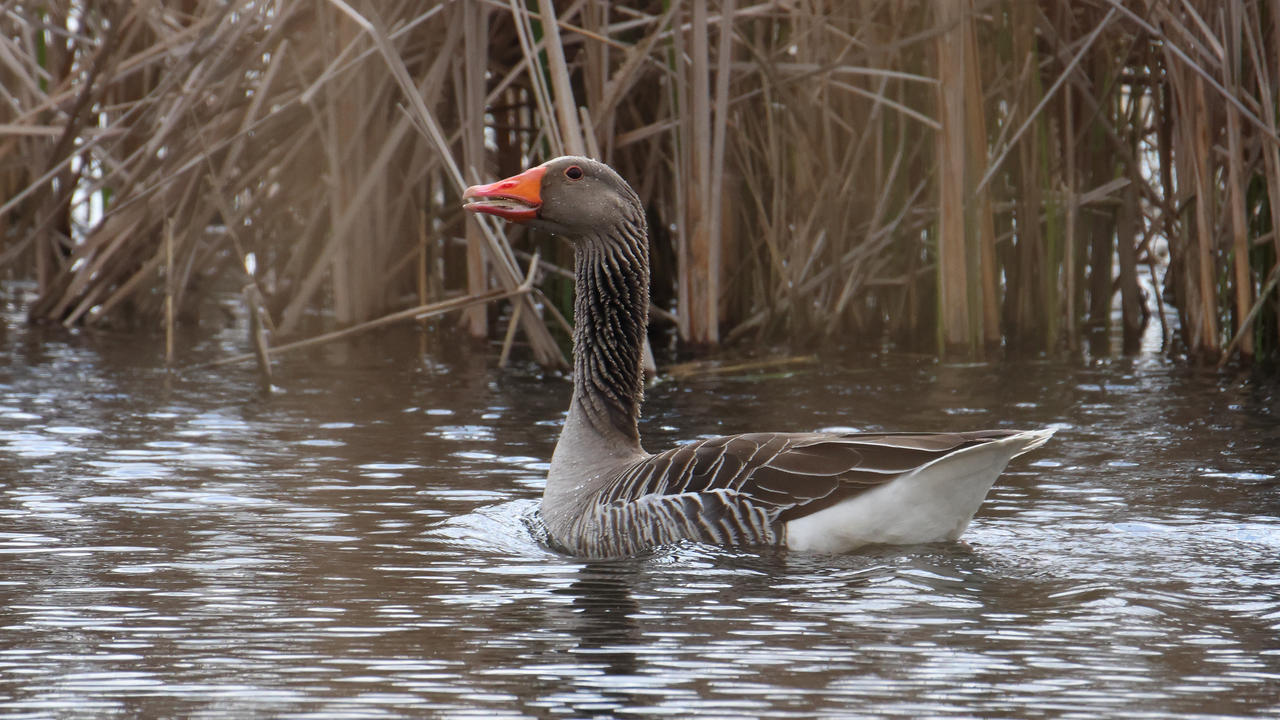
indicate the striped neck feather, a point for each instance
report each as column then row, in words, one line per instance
column 611, row 312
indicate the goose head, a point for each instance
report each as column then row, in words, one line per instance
column 574, row 197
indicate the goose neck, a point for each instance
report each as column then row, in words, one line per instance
column 611, row 305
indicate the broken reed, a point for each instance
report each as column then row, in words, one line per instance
column 948, row 174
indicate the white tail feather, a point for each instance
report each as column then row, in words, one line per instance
column 932, row 503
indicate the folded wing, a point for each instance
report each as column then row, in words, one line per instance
column 739, row 489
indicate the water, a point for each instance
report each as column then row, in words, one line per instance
column 363, row 544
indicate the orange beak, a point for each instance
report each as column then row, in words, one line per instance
column 516, row 199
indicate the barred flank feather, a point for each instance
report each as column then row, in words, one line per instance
column 744, row 489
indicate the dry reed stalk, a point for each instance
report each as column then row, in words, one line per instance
column 562, row 89
column 1204, row 341
column 985, row 310
column 702, row 276
column 418, row 313
column 1266, row 76
column 259, row 335
column 719, row 131
column 1131, row 311
column 1102, row 221
column 168, row 293
column 545, row 104
column 1021, row 305
column 424, row 261
column 1235, row 185
column 696, row 369
column 515, row 314
column 475, row 26
column 1070, row 223
column 684, row 182
column 956, row 332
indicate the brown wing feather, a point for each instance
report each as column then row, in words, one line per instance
column 789, row 475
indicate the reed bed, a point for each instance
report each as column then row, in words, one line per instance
column 964, row 176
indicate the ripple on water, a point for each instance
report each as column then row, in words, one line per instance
column 27, row 444
column 71, row 430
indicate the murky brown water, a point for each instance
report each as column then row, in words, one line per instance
column 360, row 545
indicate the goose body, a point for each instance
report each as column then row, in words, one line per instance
column 606, row 497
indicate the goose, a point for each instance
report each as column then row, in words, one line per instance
column 606, row 497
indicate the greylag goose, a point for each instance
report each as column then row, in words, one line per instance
column 606, row 497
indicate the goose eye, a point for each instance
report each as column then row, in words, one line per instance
column 573, row 172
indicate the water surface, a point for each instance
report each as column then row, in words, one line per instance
column 363, row 543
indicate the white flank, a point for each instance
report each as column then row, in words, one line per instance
column 932, row 503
